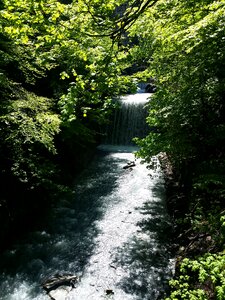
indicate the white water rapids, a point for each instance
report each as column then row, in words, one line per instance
column 114, row 234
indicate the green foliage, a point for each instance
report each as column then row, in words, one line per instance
column 93, row 82
column 202, row 278
column 43, row 36
column 186, row 114
column 28, row 127
column 59, row 70
column 71, row 39
column 189, row 86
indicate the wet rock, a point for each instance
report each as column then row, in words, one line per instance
column 109, row 292
column 64, row 281
column 129, row 165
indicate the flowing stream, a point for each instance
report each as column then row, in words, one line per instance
column 113, row 234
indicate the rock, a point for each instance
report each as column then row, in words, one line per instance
column 109, row 292
column 58, row 280
column 129, row 165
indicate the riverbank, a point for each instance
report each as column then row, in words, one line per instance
column 197, row 240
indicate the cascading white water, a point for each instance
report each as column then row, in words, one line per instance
column 129, row 120
column 113, row 234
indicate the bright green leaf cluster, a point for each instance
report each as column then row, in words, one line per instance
column 202, row 278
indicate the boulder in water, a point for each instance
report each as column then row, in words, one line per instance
column 129, row 165
column 109, row 292
column 58, row 280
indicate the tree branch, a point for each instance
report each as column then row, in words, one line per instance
column 125, row 21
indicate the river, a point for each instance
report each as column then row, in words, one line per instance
column 114, row 234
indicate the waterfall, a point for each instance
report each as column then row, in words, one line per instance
column 129, row 120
